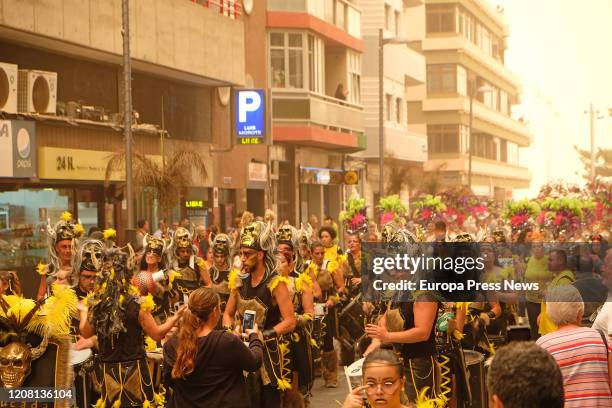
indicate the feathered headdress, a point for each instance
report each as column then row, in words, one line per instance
column 289, row 235
column 521, row 213
column 392, row 209
column 107, row 305
column 65, row 229
column 428, row 208
column 259, row 235
column 305, row 234
column 86, row 252
column 563, row 214
column 354, row 216
column 21, row 317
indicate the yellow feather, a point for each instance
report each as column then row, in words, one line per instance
column 172, row 275
column 145, row 404
column 332, row 266
column 233, row 279
column 148, row 304
column 150, row 344
column 276, row 281
column 110, row 233
column 100, row 403
column 42, row 269
column 302, row 282
column 54, row 316
column 19, row 307
column 66, row 216
column 79, row 230
column 117, row 404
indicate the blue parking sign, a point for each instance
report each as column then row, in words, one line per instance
column 250, row 115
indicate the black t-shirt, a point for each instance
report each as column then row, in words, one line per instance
column 217, row 379
column 127, row 345
column 421, row 349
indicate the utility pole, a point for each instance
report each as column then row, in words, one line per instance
column 592, row 131
column 127, row 113
column 381, row 128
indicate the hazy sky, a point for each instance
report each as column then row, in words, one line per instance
column 561, row 49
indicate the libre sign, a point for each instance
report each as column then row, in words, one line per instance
column 250, row 115
column 18, row 139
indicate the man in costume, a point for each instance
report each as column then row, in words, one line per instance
column 261, row 289
column 191, row 269
column 61, row 241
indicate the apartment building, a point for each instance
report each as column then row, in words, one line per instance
column 464, row 44
column 405, row 142
column 314, row 71
column 187, row 57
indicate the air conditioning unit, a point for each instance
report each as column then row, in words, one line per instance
column 8, row 87
column 37, row 91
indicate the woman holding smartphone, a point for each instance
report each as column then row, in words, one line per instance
column 196, row 363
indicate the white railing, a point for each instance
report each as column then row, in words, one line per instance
column 229, row 8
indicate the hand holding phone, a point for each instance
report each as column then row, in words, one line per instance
column 248, row 320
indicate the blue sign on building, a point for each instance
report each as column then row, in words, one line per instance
column 250, row 115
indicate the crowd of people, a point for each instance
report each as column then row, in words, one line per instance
column 190, row 316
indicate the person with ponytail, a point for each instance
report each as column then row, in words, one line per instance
column 204, row 366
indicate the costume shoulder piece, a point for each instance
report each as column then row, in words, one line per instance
column 234, row 280
column 303, row 281
column 276, row 280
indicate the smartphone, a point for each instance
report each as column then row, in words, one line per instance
column 248, row 320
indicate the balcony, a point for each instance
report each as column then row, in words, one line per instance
column 484, row 117
column 483, row 168
column 178, row 39
column 337, row 21
column 309, row 118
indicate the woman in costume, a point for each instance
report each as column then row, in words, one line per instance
column 220, row 270
column 331, row 284
column 300, row 287
column 383, row 380
column 120, row 319
column 153, row 278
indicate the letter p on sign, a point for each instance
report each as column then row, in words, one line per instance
column 248, row 101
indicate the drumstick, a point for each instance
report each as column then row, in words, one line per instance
column 338, row 402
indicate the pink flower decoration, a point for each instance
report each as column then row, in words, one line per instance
column 519, row 220
column 387, row 217
column 357, row 219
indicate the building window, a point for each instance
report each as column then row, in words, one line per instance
column 397, row 24
column 388, row 107
column 287, row 60
column 443, row 138
column 441, row 18
column 442, row 78
column 315, row 64
column 354, row 77
column 387, row 17
column 398, row 111
column 484, row 146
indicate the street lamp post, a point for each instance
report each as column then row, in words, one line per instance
column 381, row 127
column 127, row 113
column 484, row 88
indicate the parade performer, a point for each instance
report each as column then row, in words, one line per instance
column 120, row 318
column 301, row 291
column 410, row 326
column 61, row 243
column 220, row 270
column 331, row 284
column 34, row 346
column 153, row 278
column 260, row 289
column 305, row 234
column 191, row 269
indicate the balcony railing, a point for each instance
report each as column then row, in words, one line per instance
column 228, row 8
column 300, row 106
column 341, row 13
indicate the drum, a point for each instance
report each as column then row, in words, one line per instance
column 474, row 363
column 351, row 321
column 154, row 361
column 83, row 391
column 317, row 335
